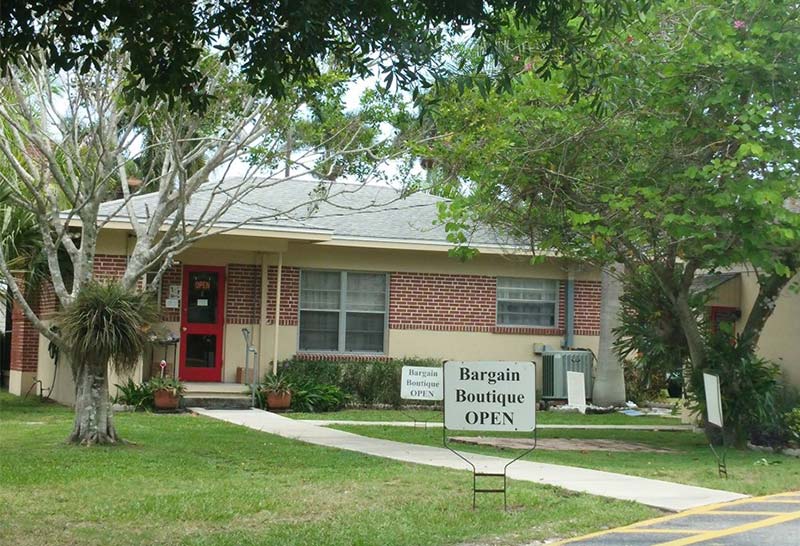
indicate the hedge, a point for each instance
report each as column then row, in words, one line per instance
column 366, row 382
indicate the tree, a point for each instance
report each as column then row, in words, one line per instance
column 278, row 45
column 72, row 140
column 686, row 163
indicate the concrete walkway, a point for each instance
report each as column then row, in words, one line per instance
column 438, row 424
column 660, row 494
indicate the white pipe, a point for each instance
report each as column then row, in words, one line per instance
column 277, row 314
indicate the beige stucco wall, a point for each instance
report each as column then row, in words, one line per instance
column 779, row 339
column 223, row 250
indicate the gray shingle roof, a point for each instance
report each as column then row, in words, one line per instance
column 343, row 210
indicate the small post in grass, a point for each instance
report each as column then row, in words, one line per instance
column 492, row 396
column 714, row 417
column 421, row 383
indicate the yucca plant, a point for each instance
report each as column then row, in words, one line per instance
column 105, row 325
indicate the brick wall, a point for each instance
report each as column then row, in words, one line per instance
column 47, row 300
column 109, row 267
column 455, row 303
column 587, row 308
column 243, row 301
column 24, row 335
column 172, row 276
column 290, row 295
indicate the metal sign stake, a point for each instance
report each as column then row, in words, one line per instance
column 475, row 473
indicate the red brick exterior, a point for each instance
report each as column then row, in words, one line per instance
column 172, row 276
column 109, row 267
column 453, row 303
column 243, row 300
column 290, row 295
column 47, row 300
column 24, row 341
column 587, row 308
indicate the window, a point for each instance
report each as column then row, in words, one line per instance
column 342, row 312
column 527, row 302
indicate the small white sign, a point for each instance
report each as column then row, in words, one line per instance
column 490, row 395
column 713, row 399
column 175, row 291
column 576, row 390
column 202, row 303
column 421, row 383
column 172, row 303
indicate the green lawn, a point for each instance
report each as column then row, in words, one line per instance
column 193, row 481
column 693, row 462
column 542, row 417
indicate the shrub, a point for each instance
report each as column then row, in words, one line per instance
column 317, row 397
column 792, row 420
column 140, row 396
column 640, row 385
column 368, row 382
column 749, row 388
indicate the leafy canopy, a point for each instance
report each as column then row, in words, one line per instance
column 276, row 44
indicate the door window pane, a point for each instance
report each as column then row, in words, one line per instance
column 364, row 332
column 202, row 302
column 201, row 351
column 319, row 331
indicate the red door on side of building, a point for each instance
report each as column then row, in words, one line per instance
column 202, row 323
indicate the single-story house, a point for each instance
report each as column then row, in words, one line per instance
column 363, row 274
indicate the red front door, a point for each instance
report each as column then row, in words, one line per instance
column 202, row 323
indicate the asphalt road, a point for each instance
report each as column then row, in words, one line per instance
column 773, row 520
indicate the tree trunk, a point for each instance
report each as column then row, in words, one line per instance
column 769, row 289
column 94, row 420
column 609, row 384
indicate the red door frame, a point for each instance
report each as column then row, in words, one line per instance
column 717, row 310
column 202, row 374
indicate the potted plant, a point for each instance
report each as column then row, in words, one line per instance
column 167, row 392
column 277, row 392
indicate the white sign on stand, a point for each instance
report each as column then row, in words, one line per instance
column 421, row 383
column 576, row 391
column 490, row 395
column 713, row 399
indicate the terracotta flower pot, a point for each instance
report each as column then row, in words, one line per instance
column 279, row 400
column 165, row 399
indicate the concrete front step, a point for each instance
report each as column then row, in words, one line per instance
column 216, row 395
column 212, row 402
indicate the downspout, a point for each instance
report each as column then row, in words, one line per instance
column 262, row 317
column 277, row 314
column 569, row 311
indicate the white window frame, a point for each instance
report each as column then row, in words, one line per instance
column 556, row 303
column 343, row 314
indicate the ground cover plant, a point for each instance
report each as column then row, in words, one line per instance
column 751, row 472
column 193, row 481
column 544, row 418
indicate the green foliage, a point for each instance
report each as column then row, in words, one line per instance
column 277, row 45
column 641, row 385
column 793, row 424
column 107, row 324
column 371, row 382
column 175, row 386
column 749, row 388
column 276, row 384
column 649, row 338
column 138, row 395
column 309, row 396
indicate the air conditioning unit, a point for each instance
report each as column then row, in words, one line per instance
column 555, row 366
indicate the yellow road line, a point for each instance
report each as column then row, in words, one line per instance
column 743, row 512
column 707, row 509
column 769, row 522
column 646, row 530
column 782, row 501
